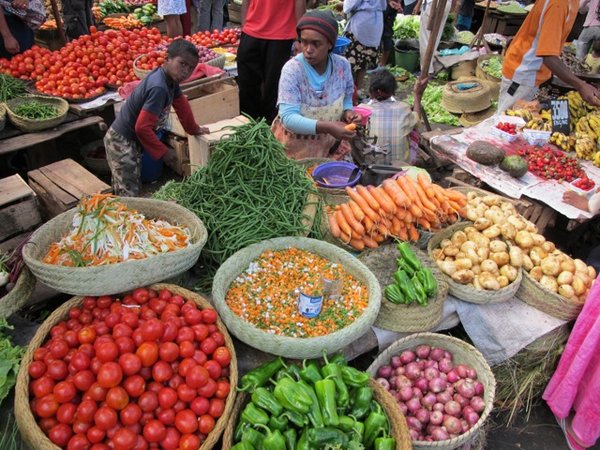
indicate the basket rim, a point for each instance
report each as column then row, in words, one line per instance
column 18, row 296
column 62, row 104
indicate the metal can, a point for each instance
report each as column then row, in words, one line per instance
column 310, row 305
column 332, row 287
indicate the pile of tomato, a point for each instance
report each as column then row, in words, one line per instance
column 507, row 127
column 152, row 60
column 584, row 183
column 228, row 36
column 551, row 164
column 148, row 371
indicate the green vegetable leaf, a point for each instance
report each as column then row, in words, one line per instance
column 10, row 359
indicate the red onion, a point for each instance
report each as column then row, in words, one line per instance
column 436, row 417
column 406, row 393
column 384, row 383
column 478, row 388
column 392, row 381
column 414, row 423
column 431, row 363
column 436, row 354
column 443, row 376
column 444, row 397
column 465, row 388
column 438, row 407
column 428, row 400
column 417, row 393
column 422, row 351
column 431, row 373
column 452, row 408
column 471, row 373
column 403, row 408
column 467, row 409
column 471, row 418
column 445, row 365
column 413, row 371
column 448, row 355
column 453, row 376
column 460, row 400
column 421, row 363
column 439, row 434
column 452, row 425
column 414, row 434
column 384, row 372
column 478, row 404
column 437, row 385
column 423, row 415
column 461, row 370
column 422, row 384
column 413, row 405
column 407, row 356
column 402, row 381
column 395, row 361
column 464, row 425
column 399, row 371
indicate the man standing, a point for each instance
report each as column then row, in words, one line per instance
column 534, row 54
column 591, row 28
column 268, row 33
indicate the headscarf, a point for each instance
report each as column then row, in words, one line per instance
column 320, row 21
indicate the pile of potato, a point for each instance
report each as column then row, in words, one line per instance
column 553, row 269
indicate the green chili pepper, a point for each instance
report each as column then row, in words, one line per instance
column 408, row 255
column 263, row 398
column 278, row 423
column 405, row 285
column 314, row 415
column 291, row 437
column 333, row 371
column 430, row 283
column 354, row 377
column 385, row 443
column 394, row 294
column 325, row 390
column 310, row 372
column 362, row 402
column 375, row 424
column 291, row 396
column 294, row 370
column 405, row 266
column 239, row 429
column 303, row 443
column 253, row 436
column 244, row 445
column 296, row 418
column 358, row 431
column 273, row 440
column 319, row 437
column 258, row 377
column 254, row 415
column 338, row 359
column 346, row 423
column 421, row 295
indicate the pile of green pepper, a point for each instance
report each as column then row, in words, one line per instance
column 310, row 407
column 413, row 282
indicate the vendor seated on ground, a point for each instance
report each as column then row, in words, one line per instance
column 315, row 93
column 392, row 120
column 145, row 112
column 593, row 58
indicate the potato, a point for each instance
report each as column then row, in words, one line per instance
column 508, row 231
column 585, row 278
column 460, row 255
column 451, row 250
column 467, row 230
column 482, row 224
column 472, row 214
column 550, row 266
column 548, row 247
column 472, row 235
column 538, row 240
column 495, row 216
column 536, row 273
column 508, row 208
column 516, row 256
column 578, row 285
column 537, row 255
column 580, row 266
column 458, row 238
column 492, row 232
column 566, row 290
column 491, row 200
column 509, row 272
column 489, row 281
column 445, row 243
column 483, row 253
column 529, row 226
column 438, row 253
column 482, row 241
column 448, row 267
column 527, row 263
column 517, row 222
column 523, row 239
column 463, row 276
column 500, row 258
column 476, row 269
column 503, row 281
column 498, row 246
column 477, row 284
column 471, row 195
column 468, row 245
column 549, row 283
column 564, row 277
column 473, row 256
column 568, row 266
column 463, row 263
column 591, row 272
column 488, row 265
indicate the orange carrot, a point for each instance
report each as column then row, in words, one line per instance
column 362, row 203
column 415, row 210
column 358, row 213
column 424, row 223
column 422, row 195
column 343, row 224
column 403, row 234
column 396, row 225
column 408, row 189
column 413, row 234
column 358, row 244
column 333, row 226
column 369, row 242
column 456, row 196
column 351, row 127
column 349, row 216
column 377, row 237
column 345, row 238
column 368, row 197
column 401, row 213
column 387, row 204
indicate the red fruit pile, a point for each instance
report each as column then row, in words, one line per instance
column 148, row 371
column 229, row 36
column 584, row 183
column 551, row 164
column 507, row 127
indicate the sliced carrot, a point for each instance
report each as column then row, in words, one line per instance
column 368, row 197
column 349, row 216
column 333, row 226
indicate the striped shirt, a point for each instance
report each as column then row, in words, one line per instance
column 543, row 33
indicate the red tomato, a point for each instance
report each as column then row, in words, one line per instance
column 189, row 442
column 109, row 375
column 185, row 366
column 152, row 329
column 95, row 435
column 167, row 397
column 200, row 331
column 38, row 368
column 166, row 416
column 222, row 356
column 200, row 357
column 57, row 370
column 161, row 371
column 209, row 315
column 214, row 368
column 216, row 408
column 107, row 351
column 130, row 363
column 148, row 401
column 197, row 377
column 47, row 406
column 185, row 334
column 168, row 351
column 200, row 405
column 148, row 353
column 218, row 337
column 58, row 348
column 79, row 361
column 186, row 349
column 223, row 388
column 131, row 414
column 83, row 380
column 97, row 392
column 186, row 421
column 86, row 335
column 66, row 413
column 125, row 344
column 206, row 424
column 141, row 295
column 64, row 391
column 60, row 434
column 192, row 316
column 124, row 439
column 154, row 431
column 135, row 385
column 171, row 440
column 209, row 389
column 186, row 393
column 105, row 418
column 104, row 301
column 164, row 294
column 86, row 410
column 117, row 398
column 78, row 442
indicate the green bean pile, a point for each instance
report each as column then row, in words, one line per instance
column 10, row 87
column 36, row 110
column 248, row 192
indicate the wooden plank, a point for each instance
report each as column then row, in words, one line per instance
column 9, row 245
column 49, row 188
column 13, row 188
column 50, row 205
column 19, row 217
column 74, row 179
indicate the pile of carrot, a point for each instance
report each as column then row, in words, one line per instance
column 394, row 209
column 125, row 22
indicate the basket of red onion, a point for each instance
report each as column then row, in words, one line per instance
column 444, row 387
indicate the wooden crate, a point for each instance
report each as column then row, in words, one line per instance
column 19, row 210
column 61, row 185
column 181, row 147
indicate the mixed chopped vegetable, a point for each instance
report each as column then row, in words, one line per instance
column 104, row 232
column 266, row 294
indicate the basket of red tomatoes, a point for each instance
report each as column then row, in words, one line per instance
column 146, row 63
column 154, row 368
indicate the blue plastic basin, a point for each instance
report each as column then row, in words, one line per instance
column 335, row 175
column 341, row 44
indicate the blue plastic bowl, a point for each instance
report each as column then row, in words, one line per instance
column 336, row 175
column 341, row 44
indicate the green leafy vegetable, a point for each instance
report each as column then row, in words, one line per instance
column 432, row 103
column 407, row 27
column 9, row 437
column 10, row 359
column 493, row 66
column 400, row 72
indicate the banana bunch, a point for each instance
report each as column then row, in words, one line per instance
column 596, row 159
column 585, row 146
column 594, row 121
column 577, row 107
column 524, row 114
column 562, row 141
column 539, row 124
column 546, row 115
column 585, row 125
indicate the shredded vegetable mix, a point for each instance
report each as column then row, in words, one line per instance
column 266, row 294
column 104, row 231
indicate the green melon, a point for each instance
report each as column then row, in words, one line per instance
column 485, row 153
column 514, row 165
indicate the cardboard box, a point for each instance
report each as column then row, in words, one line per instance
column 19, row 210
column 210, row 102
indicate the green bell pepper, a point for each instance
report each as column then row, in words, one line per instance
column 333, row 371
column 254, row 415
column 278, row 423
column 338, row 359
column 394, row 294
column 354, row 377
column 358, row 431
column 314, row 415
column 319, row 437
column 244, row 445
column 303, row 443
column 429, row 282
column 239, row 429
column 274, row 440
column 421, row 295
column 408, row 255
column 325, row 390
column 253, row 437
column 375, row 425
column 385, row 443
column 310, row 372
column 346, row 423
column 264, row 399
column 362, row 402
column 406, row 285
column 292, row 396
column 405, row 266
column 291, row 436
column 300, row 420
column 259, row 376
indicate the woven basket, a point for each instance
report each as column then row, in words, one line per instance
column 467, row 293
column 120, row 277
column 284, row 345
column 472, row 119
column 19, row 294
column 140, row 73
column 97, row 165
column 463, row 69
column 2, row 117
column 536, row 295
column 31, row 432
column 463, row 353
column 404, row 318
column 30, row 125
column 482, row 74
column 467, row 101
column 398, row 427
column 219, row 61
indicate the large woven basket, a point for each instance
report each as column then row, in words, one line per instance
column 140, row 73
column 463, row 353
column 465, row 101
column 2, row 117
column 114, row 278
column 218, row 62
column 30, row 125
column 31, row 432
column 398, row 427
column 467, row 293
column 19, row 294
column 480, row 73
column 404, row 318
column 284, row 345
column 536, row 295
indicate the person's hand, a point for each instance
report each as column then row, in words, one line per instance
column 395, row 5
column 574, row 199
column 20, row 4
column 170, row 158
column 11, row 45
column 202, row 130
column 339, row 131
column 590, row 94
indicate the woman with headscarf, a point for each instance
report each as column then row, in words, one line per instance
column 18, row 20
column 315, row 92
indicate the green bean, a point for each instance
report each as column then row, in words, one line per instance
column 10, row 87
column 33, row 109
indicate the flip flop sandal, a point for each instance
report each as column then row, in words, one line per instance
column 571, row 442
